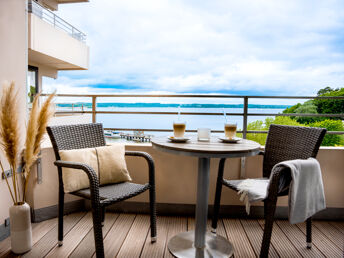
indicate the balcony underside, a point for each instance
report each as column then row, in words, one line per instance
column 71, row 1
column 127, row 235
column 46, row 60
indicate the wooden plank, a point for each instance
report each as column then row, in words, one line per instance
column 38, row 231
column 254, row 233
column 280, row 241
column 298, row 239
column 221, row 231
column 237, row 236
column 331, row 232
column 86, row 248
column 322, row 242
column 49, row 241
column 157, row 249
column 116, row 235
column 191, row 223
column 176, row 225
column 73, row 237
column 136, row 238
column 338, row 225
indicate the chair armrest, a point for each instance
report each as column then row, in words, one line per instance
column 92, row 176
column 275, row 182
column 150, row 161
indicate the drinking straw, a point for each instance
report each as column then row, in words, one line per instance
column 224, row 114
column 179, row 113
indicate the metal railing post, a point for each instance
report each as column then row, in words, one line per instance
column 244, row 127
column 244, row 132
column 94, row 109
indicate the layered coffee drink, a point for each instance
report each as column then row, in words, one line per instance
column 230, row 130
column 179, row 129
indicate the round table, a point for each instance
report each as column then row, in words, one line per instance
column 200, row 243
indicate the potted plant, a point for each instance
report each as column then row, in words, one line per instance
column 10, row 138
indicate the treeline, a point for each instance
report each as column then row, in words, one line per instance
column 316, row 106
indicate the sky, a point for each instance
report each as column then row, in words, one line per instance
column 246, row 47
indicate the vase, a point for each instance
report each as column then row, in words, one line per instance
column 20, row 228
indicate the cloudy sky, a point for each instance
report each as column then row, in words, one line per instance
column 251, row 47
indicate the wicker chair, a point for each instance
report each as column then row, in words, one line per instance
column 283, row 143
column 68, row 137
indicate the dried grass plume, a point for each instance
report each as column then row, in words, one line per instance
column 9, row 123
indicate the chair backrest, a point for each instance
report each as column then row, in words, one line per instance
column 68, row 137
column 290, row 142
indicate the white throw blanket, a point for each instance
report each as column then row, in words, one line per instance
column 306, row 193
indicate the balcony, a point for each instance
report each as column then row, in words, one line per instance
column 126, row 230
column 54, row 42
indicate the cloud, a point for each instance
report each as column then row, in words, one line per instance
column 259, row 47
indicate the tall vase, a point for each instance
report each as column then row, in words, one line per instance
column 20, row 226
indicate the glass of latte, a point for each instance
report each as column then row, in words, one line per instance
column 179, row 129
column 230, row 130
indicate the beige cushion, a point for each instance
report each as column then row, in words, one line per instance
column 107, row 161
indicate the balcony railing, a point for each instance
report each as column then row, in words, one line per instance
column 245, row 114
column 53, row 19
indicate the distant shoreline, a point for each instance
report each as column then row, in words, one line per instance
column 168, row 105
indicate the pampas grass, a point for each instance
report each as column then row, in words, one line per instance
column 31, row 131
column 9, row 130
column 10, row 135
column 35, row 131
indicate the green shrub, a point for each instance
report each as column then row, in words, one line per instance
column 281, row 120
column 307, row 108
column 292, row 109
column 257, row 137
column 331, row 125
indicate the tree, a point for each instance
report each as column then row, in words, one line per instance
column 325, row 90
column 330, row 106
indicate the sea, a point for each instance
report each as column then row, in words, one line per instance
column 164, row 121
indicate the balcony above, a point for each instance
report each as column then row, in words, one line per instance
column 53, row 42
column 53, row 4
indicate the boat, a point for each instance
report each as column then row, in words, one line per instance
column 112, row 134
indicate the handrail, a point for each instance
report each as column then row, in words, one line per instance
column 48, row 16
column 193, row 96
column 244, row 114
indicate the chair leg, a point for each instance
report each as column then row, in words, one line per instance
column 218, row 195
column 97, row 230
column 269, row 213
column 60, row 219
column 309, row 232
column 103, row 215
column 152, row 206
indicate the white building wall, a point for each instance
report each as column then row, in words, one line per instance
column 13, row 67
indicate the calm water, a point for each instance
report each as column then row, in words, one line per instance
column 166, row 121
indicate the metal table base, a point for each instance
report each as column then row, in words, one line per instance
column 199, row 243
column 182, row 245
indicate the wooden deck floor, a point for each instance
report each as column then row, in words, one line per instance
column 127, row 235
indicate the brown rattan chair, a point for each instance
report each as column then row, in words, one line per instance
column 68, row 137
column 283, row 143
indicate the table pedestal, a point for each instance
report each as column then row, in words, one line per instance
column 199, row 243
column 182, row 245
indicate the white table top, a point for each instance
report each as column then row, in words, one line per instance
column 215, row 148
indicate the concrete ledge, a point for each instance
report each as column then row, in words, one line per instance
column 38, row 215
